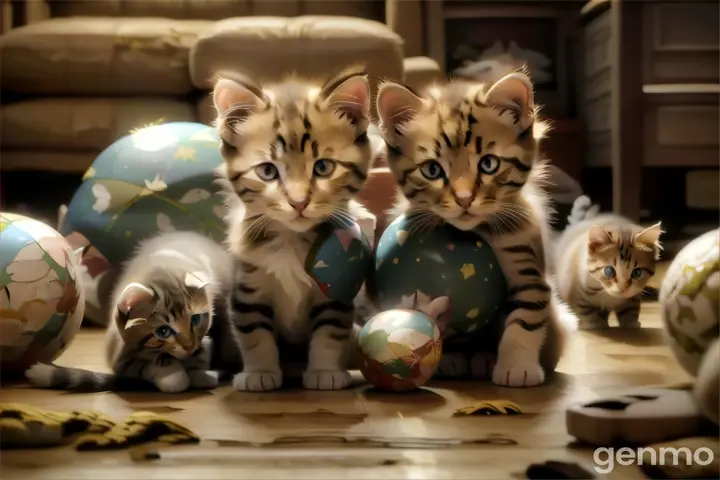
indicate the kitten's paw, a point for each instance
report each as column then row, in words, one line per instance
column 482, row 364
column 326, row 379
column 257, row 381
column 518, row 374
column 203, row 379
column 173, row 382
column 452, row 365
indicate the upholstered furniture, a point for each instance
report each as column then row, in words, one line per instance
column 76, row 75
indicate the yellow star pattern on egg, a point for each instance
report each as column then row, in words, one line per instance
column 396, row 260
column 467, row 270
column 479, row 243
column 401, row 236
column 473, row 313
column 185, row 153
column 89, row 173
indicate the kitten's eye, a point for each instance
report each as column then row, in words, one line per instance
column 489, row 164
column 432, row 170
column 637, row 273
column 323, row 168
column 195, row 319
column 267, row 171
column 164, row 331
column 609, row 272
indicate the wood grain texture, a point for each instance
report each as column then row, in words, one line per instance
column 357, row 433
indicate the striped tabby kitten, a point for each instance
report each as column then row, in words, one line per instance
column 466, row 154
column 602, row 264
column 171, row 294
column 295, row 153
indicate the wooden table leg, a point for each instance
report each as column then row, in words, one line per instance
column 627, row 109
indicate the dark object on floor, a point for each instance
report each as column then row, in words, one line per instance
column 24, row 426
column 650, row 294
column 556, row 470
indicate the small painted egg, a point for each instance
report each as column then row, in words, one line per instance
column 400, row 349
column 41, row 300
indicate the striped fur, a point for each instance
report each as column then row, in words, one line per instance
column 591, row 245
column 483, row 142
column 170, row 324
column 296, row 154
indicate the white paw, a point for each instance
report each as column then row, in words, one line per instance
column 41, row 374
column 257, row 381
column 518, row 374
column 326, row 379
column 452, row 365
column 482, row 364
column 174, row 382
column 203, row 379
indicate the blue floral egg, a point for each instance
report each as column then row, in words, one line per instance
column 444, row 261
column 339, row 260
column 158, row 179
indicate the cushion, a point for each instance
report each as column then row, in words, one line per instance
column 83, row 123
column 99, row 56
column 268, row 47
column 421, row 72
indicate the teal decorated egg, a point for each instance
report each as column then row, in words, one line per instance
column 400, row 348
column 41, row 301
column 157, row 179
column 425, row 264
column 339, row 260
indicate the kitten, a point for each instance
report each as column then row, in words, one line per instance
column 170, row 295
column 603, row 263
column 296, row 153
column 465, row 153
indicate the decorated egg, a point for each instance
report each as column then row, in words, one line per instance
column 339, row 260
column 400, row 349
column 690, row 300
column 426, row 264
column 157, row 179
column 41, row 301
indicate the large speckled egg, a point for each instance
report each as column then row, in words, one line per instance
column 690, row 300
column 157, row 179
column 41, row 301
column 339, row 260
column 425, row 264
column 400, row 348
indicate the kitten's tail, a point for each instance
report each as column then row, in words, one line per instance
column 582, row 209
column 44, row 375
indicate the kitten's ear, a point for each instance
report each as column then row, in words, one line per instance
column 235, row 101
column 599, row 239
column 349, row 94
column 196, row 280
column 439, row 310
column 136, row 303
column 649, row 238
column 514, row 92
column 396, row 106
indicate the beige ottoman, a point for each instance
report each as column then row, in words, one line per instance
column 266, row 48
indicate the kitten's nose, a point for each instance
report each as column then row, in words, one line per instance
column 298, row 206
column 464, row 199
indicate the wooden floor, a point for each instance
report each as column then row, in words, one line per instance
column 357, row 433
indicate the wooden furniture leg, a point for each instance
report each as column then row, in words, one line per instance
column 627, row 108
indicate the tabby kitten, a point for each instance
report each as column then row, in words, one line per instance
column 602, row 264
column 296, row 153
column 171, row 294
column 465, row 153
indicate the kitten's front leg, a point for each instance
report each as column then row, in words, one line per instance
column 331, row 324
column 261, row 359
column 198, row 366
column 628, row 314
column 167, row 374
column 590, row 317
column 521, row 258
